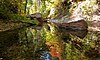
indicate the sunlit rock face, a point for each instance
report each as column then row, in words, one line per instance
column 94, row 25
column 91, row 11
column 88, row 10
column 80, row 23
column 80, row 14
column 78, row 28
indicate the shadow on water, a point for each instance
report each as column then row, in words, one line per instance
column 7, row 39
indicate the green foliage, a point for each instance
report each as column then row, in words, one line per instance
column 44, row 7
column 31, row 40
column 17, row 17
column 7, row 8
column 77, row 48
column 4, row 14
column 22, row 7
column 10, row 8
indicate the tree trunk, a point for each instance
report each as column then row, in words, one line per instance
column 25, row 7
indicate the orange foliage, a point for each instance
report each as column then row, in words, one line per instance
column 55, row 53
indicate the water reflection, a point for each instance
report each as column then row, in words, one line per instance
column 42, row 44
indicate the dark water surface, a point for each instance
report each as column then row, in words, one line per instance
column 43, row 44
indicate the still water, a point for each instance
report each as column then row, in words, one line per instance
column 47, row 43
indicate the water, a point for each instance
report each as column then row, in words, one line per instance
column 43, row 44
